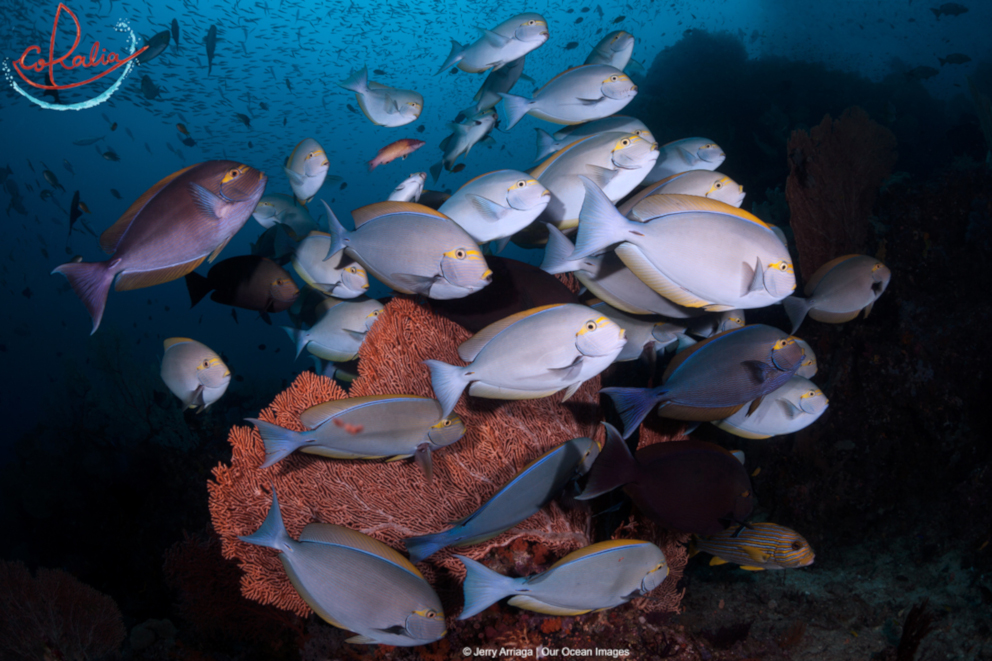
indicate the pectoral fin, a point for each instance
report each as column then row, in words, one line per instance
column 494, row 40
column 754, row 406
column 208, row 203
column 688, row 156
column 754, row 278
column 600, row 176
column 422, row 457
column 417, row 284
column 790, row 409
column 591, row 102
column 486, row 208
column 294, row 177
column 759, row 371
column 195, row 398
column 569, row 372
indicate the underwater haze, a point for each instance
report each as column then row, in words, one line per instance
column 92, row 434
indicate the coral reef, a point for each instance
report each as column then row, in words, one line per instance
column 54, row 615
column 835, row 172
column 392, row 501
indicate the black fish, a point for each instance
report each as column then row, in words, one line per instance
column 954, row 58
column 351, row 108
column 244, row 119
column 379, row 72
column 211, row 41
column 420, row 129
column 189, row 142
column 579, row 20
column 949, row 9
column 27, row 292
column 156, row 46
column 74, row 213
column 248, row 281
column 52, row 93
column 572, row 44
column 175, row 33
column 618, row 19
column 344, row 184
column 234, row 315
column 113, row 191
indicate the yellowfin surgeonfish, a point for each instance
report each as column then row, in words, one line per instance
column 338, row 276
column 702, row 183
column 548, row 144
column 280, row 209
column 384, row 105
column 340, row 329
column 614, row 50
column 840, row 290
column 496, row 205
column 575, row 96
column 306, row 168
column 409, row 189
column 684, row 155
column 757, row 547
column 794, row 406
column 597, row 577
column 336, row 571
column 194, row 373
column 508, row 41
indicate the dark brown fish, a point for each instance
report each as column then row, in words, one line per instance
column 458, row 168
column 248, row 281
column 572, row 44
column 689, row 486
column 169, row 231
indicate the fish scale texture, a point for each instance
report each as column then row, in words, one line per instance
column 391, row 501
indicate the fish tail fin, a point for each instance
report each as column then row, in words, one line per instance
column 516, row 107
column 272, row 533
column 279, row 442
column 422, row 547
column 483, row 587
column 557, row 254
column 448, row 382
column 357, row 82
column 340, row 237
column 614, row 467
column 456, row 55
column 634, row 404
column 796, row 308
column 546, row 144
column 91, row 281
column 198, row 287
column 600, row 224
column 298, row 336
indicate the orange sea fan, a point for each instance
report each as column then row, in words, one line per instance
column 392, row 501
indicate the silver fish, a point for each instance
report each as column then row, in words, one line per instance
column 381, row 104
column 409, row 189
column 580, row 94
column 338, row 276
column 684, row 155
column 596, row 577
column 794, row 406
column 703, row 183
column 336, row 569
column 614, row 50
column 548, row 144
column 840, row 290
column 496, row 205
column 340, row 329
column 306, row 168
column 194, row 373
column 508, row 41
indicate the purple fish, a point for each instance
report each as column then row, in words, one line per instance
column 169, row 231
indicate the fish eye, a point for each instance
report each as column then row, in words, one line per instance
column 206, row 363
column 459, row 254
column 521, row 184
column 532, row 23
column 718, row 185
column 234, row 173
column 796, row 546
column 613, row 79
column 783, row 267
column 590, row 325
column 625, row 142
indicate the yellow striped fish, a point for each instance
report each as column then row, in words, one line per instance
column 758, row 547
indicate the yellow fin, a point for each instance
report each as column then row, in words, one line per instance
column 548, row 162
column 331, row 453
column 756, row 554
column 593, row 549
column 329, row 533
column 138, row 279
column 176, row 340
column 112, row 235
column 556, row 78
column 362, row 215
column 532, row 604
column 470, row 348
column 714, row 561
column 642, row 267
column 750, row 568
column 814, row 279
column 663, row 204
column 217, row 250
column 480, row 389
column 317, row 415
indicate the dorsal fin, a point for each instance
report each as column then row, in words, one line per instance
column 112, row 235
column 484, row 174
column 593, row 549
column 326, row 305
column 172, row 341
column 814, row 279
column 560, row 75
column 369, row 212
column 659, row 205
column 540, row 169
column 470, row 348
column 317, row 415
column 329, row 533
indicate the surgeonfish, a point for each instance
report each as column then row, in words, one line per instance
column 642, row 334
column 703, row 183
column 596, row 577
column 278, row 243
column 616, row 162
column 808, row 367
column 338, row 276
column 548, row 144
column 246, row 281
column 757, row 547
column 398, row 149
column 381, row 104
column 211, row 43
column 306, row 168
column 520, row 498
column 169, row 231
column 839, row 290
column 613, row 50
column 580, row 94
column 388, row 427
column 689, row 486
column 508, row 41
column 336, row 569
column 694, row 251
column 340, row 329
column 714, row 378
column 409, row 189
column 684, row 155
column 280, row 209
column 496, row 205
column 413, row 249
column 498, row 80
column 794, row 406
column 194, row 373
column 607, row 277
column 529, row 355
column 464, row 136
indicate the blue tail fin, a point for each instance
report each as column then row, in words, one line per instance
column 279, row 441
column 340, row 237
column 634, row 404
column 272, row 532
column 448, row 382
column 600, row 224
column 483, row 587
column 423, row 547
